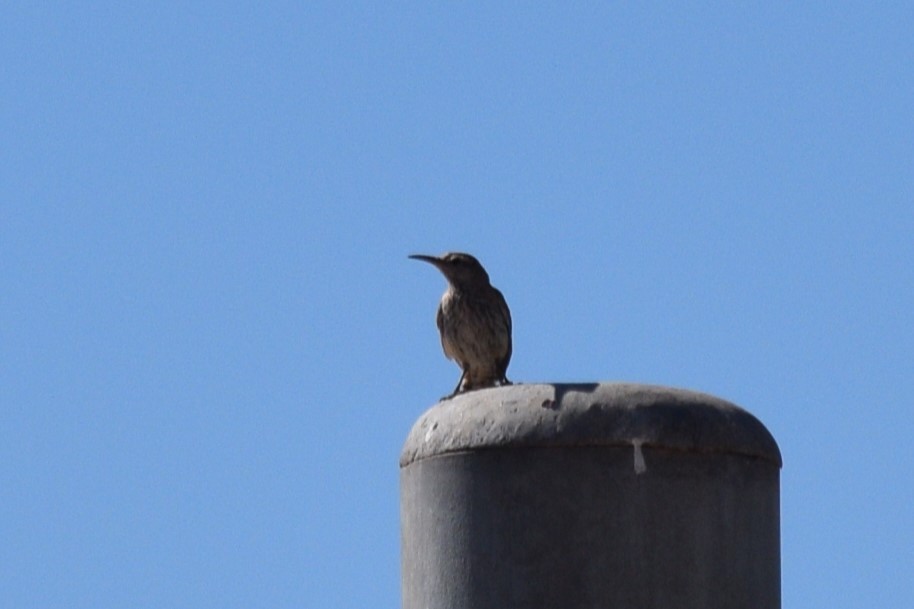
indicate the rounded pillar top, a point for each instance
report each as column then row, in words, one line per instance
column 588, row 414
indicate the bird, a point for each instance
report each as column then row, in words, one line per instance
column 474, row 322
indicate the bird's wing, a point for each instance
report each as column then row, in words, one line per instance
column 506, row 320
column 439, row 320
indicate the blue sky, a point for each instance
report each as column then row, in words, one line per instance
column 212, row 344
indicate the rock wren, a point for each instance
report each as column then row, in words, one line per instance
column 474, row 322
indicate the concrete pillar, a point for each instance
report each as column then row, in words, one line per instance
column 596, row 496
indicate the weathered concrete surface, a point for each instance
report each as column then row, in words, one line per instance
column 589, row 495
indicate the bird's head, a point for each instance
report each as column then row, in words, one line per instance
column 461, row 270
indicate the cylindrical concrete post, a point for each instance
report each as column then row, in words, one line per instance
column 573, row 496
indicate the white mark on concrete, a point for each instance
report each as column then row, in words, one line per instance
column 640, row 467
column 430, row 432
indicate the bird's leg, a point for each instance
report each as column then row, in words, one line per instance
column 463, row 374
column 456, row 389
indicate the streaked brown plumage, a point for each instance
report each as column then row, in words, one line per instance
column 474, row 322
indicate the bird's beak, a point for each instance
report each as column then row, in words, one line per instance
column 430, row 259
